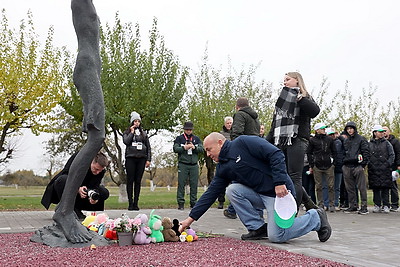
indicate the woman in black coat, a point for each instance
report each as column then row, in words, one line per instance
column 290, row 129
column 137, row 158
column 379, row 169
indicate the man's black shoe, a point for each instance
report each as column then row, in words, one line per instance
column 221, row 205
column 181, row 206
column 350, row 209
column 325, row 231
column 258, row 234
column 229, row 215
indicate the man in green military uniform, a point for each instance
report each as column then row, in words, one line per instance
column 188, row 147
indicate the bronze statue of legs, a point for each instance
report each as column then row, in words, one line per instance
column 87, row 81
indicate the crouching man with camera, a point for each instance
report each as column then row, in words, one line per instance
column 91, row 194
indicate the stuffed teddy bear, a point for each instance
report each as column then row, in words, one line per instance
column 156, row 228
column 176, row 227
column 168, row 233
column 142, row 234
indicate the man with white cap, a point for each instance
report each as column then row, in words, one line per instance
column 320, row 153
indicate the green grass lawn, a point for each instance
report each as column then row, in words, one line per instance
column 28, row 198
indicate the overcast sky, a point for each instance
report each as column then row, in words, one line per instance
column 341, row 40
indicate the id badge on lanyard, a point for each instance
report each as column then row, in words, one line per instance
column 138, row 145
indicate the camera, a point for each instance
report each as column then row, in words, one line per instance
column 93, row 194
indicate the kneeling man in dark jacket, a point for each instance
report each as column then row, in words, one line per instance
column 255, row 171
column 91, row 194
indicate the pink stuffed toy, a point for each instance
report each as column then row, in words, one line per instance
column 142, row 235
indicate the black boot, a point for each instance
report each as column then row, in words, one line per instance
column 135, row 206
column 325, row 230
column 130, row 205
column 221, row 205
column 260, row 233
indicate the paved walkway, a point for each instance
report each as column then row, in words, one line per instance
column 359, row 240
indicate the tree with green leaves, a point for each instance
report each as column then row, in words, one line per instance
column 150, row 81
column 32, row 82
column 212, row 96
column 343, row 107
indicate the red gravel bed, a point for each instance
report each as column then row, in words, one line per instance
column 18, row 250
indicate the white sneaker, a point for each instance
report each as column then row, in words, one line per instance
column 386, row 209
column 376, row 209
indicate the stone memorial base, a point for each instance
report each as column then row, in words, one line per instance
column 54, row 237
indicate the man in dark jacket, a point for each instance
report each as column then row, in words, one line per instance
column 91, row 194
column 341, row 198
column 321, row 152
column 257, row 176
column 356, row 157
column 394, row 191
column 188, row 147
column 245, row 120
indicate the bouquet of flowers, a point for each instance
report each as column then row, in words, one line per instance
column 124, row 224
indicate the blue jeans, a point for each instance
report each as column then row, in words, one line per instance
column 246, row 202
column 309, row 183
column 338, row 181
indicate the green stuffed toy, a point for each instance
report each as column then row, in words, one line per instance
column 156, row 227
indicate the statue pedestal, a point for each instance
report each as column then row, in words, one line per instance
column 53, row 236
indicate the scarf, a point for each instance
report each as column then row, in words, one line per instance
column 286, row 115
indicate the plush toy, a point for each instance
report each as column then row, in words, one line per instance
column 107, row 233
column 101, row 218
column 142, row 234
column 175, row 227
column 94, row 222
column 111, row 234
column 189, row 236
column 168, row 233
column 182, row 237
column 156, row 228
column 88, row 220
column 100, row 222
